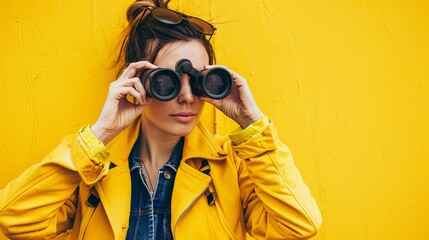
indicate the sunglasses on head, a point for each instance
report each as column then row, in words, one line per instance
column 170, row 17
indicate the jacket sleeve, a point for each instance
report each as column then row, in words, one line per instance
column 277, row 203
column 41, row 202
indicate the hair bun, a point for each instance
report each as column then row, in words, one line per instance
column 137, row 8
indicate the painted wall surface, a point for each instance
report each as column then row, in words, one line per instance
column 346, row 82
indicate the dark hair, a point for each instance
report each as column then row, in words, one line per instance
column 145, row 36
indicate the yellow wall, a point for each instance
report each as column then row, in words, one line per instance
column 347, row 83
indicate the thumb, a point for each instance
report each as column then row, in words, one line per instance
column 210, row 100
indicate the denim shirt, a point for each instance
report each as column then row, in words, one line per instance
column 150, row 215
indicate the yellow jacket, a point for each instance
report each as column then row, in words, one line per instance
column 259, row 192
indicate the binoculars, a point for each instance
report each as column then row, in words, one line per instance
column 164, row 84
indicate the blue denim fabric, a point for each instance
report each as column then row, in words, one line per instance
column 150, row 217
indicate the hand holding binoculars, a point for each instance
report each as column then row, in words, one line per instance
column 164, row 84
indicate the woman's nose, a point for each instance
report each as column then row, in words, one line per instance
column 186, row 95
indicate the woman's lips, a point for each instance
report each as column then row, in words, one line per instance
column 184, row 117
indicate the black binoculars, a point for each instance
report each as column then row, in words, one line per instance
column 164, row 84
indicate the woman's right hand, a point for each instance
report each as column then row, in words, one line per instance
column 117, row 111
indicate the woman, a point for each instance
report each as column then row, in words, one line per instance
column 150, row 170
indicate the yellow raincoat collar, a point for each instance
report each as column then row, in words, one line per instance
column 198, row 144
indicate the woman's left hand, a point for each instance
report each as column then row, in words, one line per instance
column 239, row 105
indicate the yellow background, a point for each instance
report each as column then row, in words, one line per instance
column 346, row 82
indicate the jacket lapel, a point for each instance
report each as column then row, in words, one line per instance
column 114, row 192
column 190, row 183
column 115, row 189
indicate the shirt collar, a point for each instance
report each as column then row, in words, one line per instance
column 172, row 163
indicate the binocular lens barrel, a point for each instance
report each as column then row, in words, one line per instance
column 214, row 83
column 165, row 84
column 162, row 84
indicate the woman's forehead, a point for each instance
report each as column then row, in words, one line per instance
column 192, row 50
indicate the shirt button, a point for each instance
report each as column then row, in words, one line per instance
column 167, row 175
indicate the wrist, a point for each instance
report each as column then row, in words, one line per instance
column 250, row 119
column 102, row 134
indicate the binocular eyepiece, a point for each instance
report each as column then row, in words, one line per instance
column 164, row 84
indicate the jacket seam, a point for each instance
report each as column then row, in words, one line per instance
column 28, row 188
column 294, row 196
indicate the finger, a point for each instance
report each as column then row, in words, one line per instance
column 135, row 67
column 139, row 87
column 207, row 99
column 133, row 92
column 214, row 102
column 124, row 91
column 235, row 75
column 134, row 83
